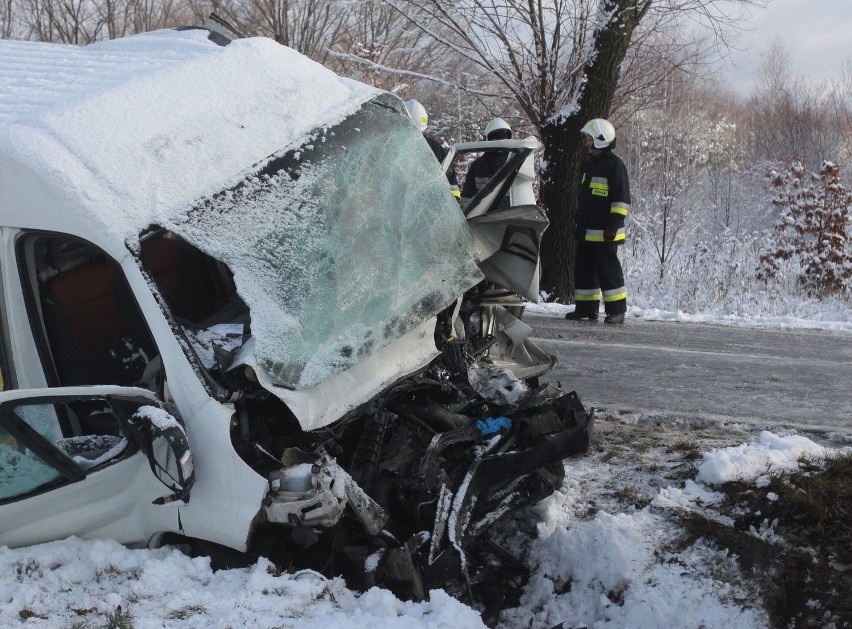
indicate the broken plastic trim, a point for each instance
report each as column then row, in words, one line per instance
column 322, row 503
column 489, row 476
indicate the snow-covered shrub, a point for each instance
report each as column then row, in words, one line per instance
column 814, row 230
column 710, row 274
column 714, row 276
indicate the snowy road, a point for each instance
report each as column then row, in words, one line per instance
column 695, row 371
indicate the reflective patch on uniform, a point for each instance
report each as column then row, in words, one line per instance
column 599, row 186
column 596, row 235
column 619, row 208
column 587, row 294
column 616, row 294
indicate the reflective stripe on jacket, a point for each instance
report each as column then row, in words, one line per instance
column 604, row 200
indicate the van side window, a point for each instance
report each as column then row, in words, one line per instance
column 198, row 289
column 21, row 471
column 200, row 295
column 88, row 326
column 85, row 431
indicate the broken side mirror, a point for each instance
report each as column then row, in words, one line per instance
column 164, row 442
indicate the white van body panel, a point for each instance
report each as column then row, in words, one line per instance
column 227, row 494
column 117, row 501
column 114, row 502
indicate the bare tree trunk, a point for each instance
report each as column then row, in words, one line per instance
column 559, row 190
column 7, row 17
column 564, row 144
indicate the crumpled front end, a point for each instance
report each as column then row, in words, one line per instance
column 406, row 493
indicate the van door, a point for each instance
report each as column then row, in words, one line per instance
column 503, row 218
column 84, row 461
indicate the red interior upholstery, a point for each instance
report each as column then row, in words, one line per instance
column 96, row 333
column 87, row 297
column 183, row 277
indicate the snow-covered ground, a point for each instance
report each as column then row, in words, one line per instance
column 608, row 550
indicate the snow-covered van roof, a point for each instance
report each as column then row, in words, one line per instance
column 112, row 137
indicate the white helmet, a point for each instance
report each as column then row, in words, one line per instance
column 602, row 132
column 498, row 124
column 418, row 113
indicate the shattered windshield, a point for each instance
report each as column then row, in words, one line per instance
column 341, row 245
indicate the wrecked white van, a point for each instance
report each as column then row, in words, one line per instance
column 241, row 308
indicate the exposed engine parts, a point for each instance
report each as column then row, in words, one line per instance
column 404, row 491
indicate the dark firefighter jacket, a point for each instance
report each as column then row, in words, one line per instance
column 481, row 171
column 604, row 199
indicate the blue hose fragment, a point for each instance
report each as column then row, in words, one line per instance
column 493, row 424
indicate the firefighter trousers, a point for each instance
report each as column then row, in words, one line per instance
column 597, row 274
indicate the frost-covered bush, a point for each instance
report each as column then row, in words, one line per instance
column 814, row 230
column 714, row 276
column 707, row 275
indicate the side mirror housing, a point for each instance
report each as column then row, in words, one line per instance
column 164, row 442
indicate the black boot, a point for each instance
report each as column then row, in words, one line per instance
column 614, row 318
column 578, row 315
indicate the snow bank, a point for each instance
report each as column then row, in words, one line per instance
column 605, row 572
column 613, row 569
column 770, row 454
column 73, row 581
column 626, row 569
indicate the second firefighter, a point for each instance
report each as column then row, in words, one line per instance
column 604, row 203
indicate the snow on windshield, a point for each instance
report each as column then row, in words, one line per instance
column 341, row 245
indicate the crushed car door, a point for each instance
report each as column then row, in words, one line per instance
column 90, row 462
column 503, row 218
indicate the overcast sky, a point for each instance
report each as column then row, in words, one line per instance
column 816, row 33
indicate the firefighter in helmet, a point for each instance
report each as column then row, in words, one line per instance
column 603, row 205
column 484, row 167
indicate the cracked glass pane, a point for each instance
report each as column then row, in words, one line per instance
column 340, row 245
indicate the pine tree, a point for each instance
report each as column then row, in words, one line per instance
column 814, row 229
